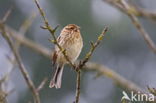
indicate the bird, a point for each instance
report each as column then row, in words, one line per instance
column 71, row 41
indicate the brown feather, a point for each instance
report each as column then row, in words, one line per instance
column 54, row 57
column 69, row 39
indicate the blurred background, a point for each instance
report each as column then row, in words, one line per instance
column 123, row 49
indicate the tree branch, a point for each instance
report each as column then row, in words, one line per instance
column 42, row 84
column 20, row 64
column 116, row 78
column 84, row 61
column 27, row 42
column 78, row 81
column 137, row 11
column 93, row 46
column 127, row 9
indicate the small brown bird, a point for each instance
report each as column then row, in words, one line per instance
column 70, row 39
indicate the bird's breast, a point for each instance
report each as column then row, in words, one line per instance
column 74, row 48
column 72, row 44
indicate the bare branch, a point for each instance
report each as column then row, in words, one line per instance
column 5, row 77
column 139, row 27
column 7, row 15
column 137, row 11
column 3, row 97
column 23, row 29
column 42, row 84
column 78, row 81
column 84, row 61
column 20, row 64
column 116, row 78
column 126, row 8
column 145, row 13
column 93, row 46
column 10, row 92
column 28, row 43
column 152, row 90
column 27, row 23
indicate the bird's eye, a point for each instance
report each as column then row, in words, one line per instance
column 71, row 27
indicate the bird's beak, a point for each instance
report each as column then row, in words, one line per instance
column 78, row 27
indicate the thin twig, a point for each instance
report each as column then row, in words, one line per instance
column 137, row 11
column 4, row 78
column 93, row 46
column 115, row 77
column 24, row 27
column 139, row 27
column 84, row 61
column 42, row 84
column 3, row 97
column 22, row 30
column 3, row 93
column 10, row 92
column 28, row 43
column 126, row 8
column 6, row 15
column 20, row 64
column 152, row 90
column 78, row 81
column 142, row 12
column 27, row 23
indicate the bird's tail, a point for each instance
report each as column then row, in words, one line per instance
column 56, row 80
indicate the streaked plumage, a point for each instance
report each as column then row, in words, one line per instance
column 70, row 39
